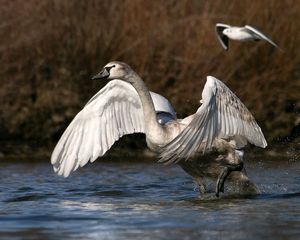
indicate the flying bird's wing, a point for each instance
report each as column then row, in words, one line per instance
column 222, row 115
column 223, row 39
column 114, row 111
column 260, row 35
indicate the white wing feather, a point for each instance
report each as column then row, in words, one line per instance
column 223, row 25
column 260, row 35
column 114, row 111
column 161, row 104
column 222, row 115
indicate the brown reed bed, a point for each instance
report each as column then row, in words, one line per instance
column 49, row 49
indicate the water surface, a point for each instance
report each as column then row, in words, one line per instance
column 142, row 200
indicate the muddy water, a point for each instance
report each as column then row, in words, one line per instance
column 133, row 200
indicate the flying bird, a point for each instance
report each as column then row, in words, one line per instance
column 225, row 32
column 218, row 130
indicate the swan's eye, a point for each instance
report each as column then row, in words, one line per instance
column 108, row 68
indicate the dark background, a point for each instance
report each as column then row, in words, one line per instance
column 49, row 50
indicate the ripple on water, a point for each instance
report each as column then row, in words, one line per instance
column 28, row 198
column 144, row 201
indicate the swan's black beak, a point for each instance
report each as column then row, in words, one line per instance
column 104, row 74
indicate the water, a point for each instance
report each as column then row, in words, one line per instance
column 133, row 200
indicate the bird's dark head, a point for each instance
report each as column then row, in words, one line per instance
column 114, row 70
column 227, row 31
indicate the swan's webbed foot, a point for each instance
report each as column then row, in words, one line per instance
column 226, row 172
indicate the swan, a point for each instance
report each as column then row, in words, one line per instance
column 225, row 32
column 218, row 130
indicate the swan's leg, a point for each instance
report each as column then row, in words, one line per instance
column 226, row 172
column 202, row 189
column 200, row 185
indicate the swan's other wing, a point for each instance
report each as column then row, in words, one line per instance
column 161, row 104
column 223, row 39
column 163, row 108
column 114, row 111
column 222, row 115
column 260, row 35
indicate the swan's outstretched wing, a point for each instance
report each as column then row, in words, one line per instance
column 114, row 111
column 260, row 35
column 222, row 115
column 223, row 39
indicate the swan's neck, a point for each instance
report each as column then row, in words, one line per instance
column 153, row 130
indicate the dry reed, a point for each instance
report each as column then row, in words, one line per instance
column 50, row 48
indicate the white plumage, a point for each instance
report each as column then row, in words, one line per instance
column 111, row 113
column 125, row 106
column 221, row 116
column 225, row 32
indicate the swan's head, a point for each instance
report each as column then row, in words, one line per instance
column 114, row 70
